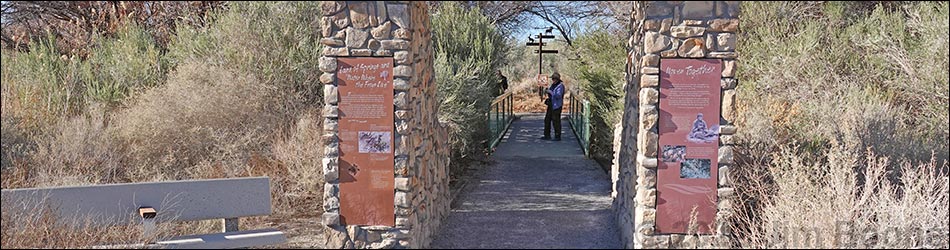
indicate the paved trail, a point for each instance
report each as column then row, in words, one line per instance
column 538, row 194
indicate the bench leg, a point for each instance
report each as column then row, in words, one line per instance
column 230, row 225
column 148, row 230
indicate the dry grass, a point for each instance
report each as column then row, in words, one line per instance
column 78, row 151
column 300, row 189
column 241, row 99
column 34, row 223
column 205, row 117
column 843, row 139
column 844, row 203
column 41, row 228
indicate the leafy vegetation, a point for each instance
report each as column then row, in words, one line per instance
column 844, row 118
column 468, row 50
column 237, row 96
column 599, row 70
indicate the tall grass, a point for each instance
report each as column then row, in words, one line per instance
column 120, row 66
column 844, row 119
column 468, row 50
column 849, row 201
column 40, row 85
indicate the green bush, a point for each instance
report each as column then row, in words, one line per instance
column 468, row 50
column 843, row 116
column 880, row 81
column 276, row 41
column 119, row 66
column 43, row 85
column 40, row 85
column 600, row 80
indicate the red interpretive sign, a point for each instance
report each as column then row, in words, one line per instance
column 687, row 160
column 367, row 177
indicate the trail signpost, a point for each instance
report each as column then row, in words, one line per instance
column 541, row 51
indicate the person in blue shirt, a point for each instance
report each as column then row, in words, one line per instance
column 554, row 102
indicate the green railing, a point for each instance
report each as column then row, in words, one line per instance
column 579, row 118
column 500, row 116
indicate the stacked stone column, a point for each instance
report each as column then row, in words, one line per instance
column 400, row 30
column 672, row 29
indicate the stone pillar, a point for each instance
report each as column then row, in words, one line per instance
column 400, row 30
column 671, row 29
column 625, row 146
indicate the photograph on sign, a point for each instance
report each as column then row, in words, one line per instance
column 695, row 168
column 700, row 133
column 375, row 141
column 674, row 153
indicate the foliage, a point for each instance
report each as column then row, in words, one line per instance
column 468, row 50
column 40, row 85
column 600, row 81
column 831, row 95
column 238, row 96
column 130, row 62
column 76, row 24
column 882, row 80
column 277, row 42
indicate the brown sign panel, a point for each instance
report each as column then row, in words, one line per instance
column 687, row 161
column 367, row 177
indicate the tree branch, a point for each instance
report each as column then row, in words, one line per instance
column 557, row 26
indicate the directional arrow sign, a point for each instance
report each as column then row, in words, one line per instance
column 535, row 44
column 547, row 36
column 547, row 51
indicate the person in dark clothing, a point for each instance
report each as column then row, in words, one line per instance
column 554, row 102
column 503, row 84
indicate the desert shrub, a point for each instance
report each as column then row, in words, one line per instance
column 808, row 86
column 14, row 144
column 843, row 118
column 40, row 85
column 204, row 113
column 119, row 66
column 43, row 85
column 235, row 97
column 600, row 80
column 298, row 152
column 276, row 41
column 80, row 150
column 830, row 204
column 468, row 50
column 276, row 45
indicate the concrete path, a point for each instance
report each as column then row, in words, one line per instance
column 538, row 194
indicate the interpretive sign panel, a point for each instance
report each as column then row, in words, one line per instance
column 367, row 177
column 688, row 147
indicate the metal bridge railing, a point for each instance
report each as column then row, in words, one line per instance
column 579, row 118
column 500, row 116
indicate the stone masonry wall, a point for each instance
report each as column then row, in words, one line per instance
column 400, row 30
column 671, row 29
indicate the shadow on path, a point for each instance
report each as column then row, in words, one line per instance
column 538, row 194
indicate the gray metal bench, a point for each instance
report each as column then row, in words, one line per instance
column 157, row 202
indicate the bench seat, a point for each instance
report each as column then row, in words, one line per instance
column 237, row 239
